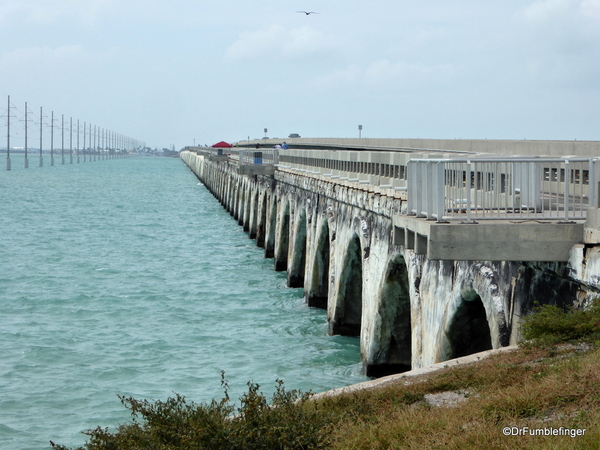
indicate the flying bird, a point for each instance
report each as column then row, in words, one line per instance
column 307, row 12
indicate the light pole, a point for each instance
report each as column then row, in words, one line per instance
column 359, row 130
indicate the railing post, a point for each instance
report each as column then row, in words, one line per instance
column 427, row 207
column 421, row 198
column 469, row 175
column 566, row 191
column 592, row 183
column 440, row 191
column 468, row 182
column 411, row 177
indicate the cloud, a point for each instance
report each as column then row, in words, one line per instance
column 42, row 11
column 40, row 56
column 278, row 42
column 348, row 76
column 591, row 8
column 542, row 11
column 559, row 10
column 387, row 75
column 563, row 40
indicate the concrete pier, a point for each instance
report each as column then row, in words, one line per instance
column 343, row 243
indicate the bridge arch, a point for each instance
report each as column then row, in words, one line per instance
column 239, row 204
column 318, row 286
column 298, row 251
column 468, row 330
column 282, row 237
column 253, row 214
column 347, row 314
column 234, row 199
column 271, row 227
column 502, row 289
column 246, row 207
column 224, row 186
column 393, row 341
column 229, row 202
column 261, row 224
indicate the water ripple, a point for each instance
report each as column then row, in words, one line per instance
column 126, row 277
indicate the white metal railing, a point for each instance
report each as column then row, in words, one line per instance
column 386, row 170
column 501, row 188
column 258, row 156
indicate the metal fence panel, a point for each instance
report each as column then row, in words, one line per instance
column 500, row 188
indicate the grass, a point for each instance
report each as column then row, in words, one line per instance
column 552, row 382
column 533, row 388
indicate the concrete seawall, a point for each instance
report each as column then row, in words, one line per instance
column 336, row 241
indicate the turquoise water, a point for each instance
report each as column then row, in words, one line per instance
column 128, row 277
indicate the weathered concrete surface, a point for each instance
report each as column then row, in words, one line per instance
column 408, row 377
column 495, row 240
column 337, row 242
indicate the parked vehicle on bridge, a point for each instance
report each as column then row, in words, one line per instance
column 294, row 135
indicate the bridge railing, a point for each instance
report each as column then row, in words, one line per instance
column 249, row 157
column 501, row 188
column 386, row 170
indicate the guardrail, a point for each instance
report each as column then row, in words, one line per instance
column 385, row 170
column 501, row 188
column 258, row 156
column 452, row 188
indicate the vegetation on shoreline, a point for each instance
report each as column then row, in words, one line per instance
column 496, row 403
column 550, row 325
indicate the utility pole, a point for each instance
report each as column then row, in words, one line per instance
column 71, row 142
column 41, row 122
column 93, row 143
column 8, row 136
column 62, row 138
column 77, row 148
column 52, row 139
column 83, row 141
column 26, row 162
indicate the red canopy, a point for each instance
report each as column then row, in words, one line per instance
column 222, row 144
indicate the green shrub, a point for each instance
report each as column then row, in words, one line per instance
column 288, row 422
column 551, row 325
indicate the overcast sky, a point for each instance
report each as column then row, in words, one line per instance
column 182, row 71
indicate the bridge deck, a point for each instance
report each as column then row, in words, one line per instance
column 525, row 213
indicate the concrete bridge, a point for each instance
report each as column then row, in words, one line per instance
column 425, row 254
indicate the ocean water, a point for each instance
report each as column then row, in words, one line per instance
column 127, row 277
